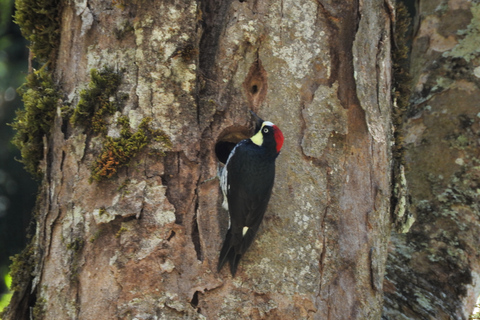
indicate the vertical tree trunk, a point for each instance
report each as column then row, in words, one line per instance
column 433, row 270
column 144, row 243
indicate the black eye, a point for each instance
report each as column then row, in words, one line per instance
column 265, row 130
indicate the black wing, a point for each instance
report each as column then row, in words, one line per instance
column 249, row 187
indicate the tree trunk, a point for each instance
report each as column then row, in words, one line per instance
column 129, row 220
column 145, row 242
column 433, row 270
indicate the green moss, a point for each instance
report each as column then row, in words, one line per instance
column 40, row 99
column 75, row 245
column 22, row 267
column 39, row 21
column 120, row 231
column 123, row 186
column 118, row 152
column 39, row 308
column 102, row 210
column 97, row 101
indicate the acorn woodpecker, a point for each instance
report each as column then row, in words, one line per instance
column 247, row 181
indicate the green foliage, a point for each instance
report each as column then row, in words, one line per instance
column 117, row 152
column 40, row 99
column 5, row 13
column 5, row 298
column 8, row 280
column 39, row 23
column 4, row 301
column 95, row 101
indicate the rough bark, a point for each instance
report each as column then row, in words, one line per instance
column 145, row 243
column 433, row 270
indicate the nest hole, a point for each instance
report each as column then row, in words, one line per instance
column 228, row 140
column 256, row 84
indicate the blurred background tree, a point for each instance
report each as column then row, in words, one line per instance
column 17, row 189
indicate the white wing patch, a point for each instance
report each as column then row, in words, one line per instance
column 244, row 231
column 224, row 181
column 223, row 186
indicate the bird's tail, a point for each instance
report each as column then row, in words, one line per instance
column 228, row 253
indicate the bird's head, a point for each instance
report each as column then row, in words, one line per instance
column 267, row 134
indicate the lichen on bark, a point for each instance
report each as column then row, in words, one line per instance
column 441, row 131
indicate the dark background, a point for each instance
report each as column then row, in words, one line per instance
column 17, row 189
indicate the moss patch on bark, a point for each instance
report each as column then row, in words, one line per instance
column 117, row 152
column 40, row 98
column 39, row 21
column 97, row 101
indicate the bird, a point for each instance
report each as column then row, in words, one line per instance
column 246, row 181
